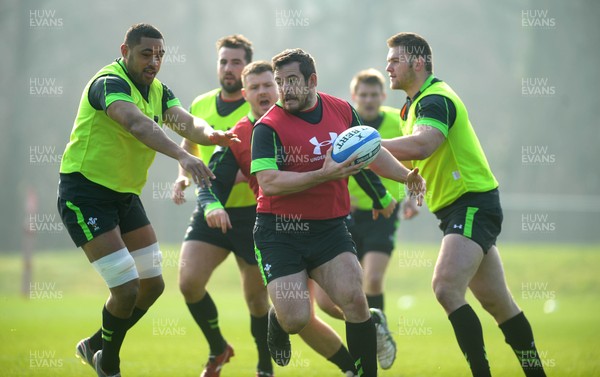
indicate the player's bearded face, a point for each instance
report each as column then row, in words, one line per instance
column 229, row 68
column 294, row 91
column 143, row 60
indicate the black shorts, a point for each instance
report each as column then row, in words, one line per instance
column 237, row 239
column 477, row 216
column 373, row 235
column 88, row 209
column 286, row 246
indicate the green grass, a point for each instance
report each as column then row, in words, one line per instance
column 38, row 333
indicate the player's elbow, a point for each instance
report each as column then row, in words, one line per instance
column 422, row 152
column 269, row 190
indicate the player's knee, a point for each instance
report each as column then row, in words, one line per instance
column 117, row 269
column 191, row 289
column 258, row 303
column 293, row 324
column 153, row 288
column 124, row 297
column 148, row 261
column 444, row 291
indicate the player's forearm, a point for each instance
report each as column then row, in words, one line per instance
column 387, row 166
column 276, row 182
column 149, row 133
column 405, row 148
column 200, row 132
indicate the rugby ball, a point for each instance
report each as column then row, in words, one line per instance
column 360, row 143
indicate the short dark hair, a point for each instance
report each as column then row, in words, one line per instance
column 256, row 68
column 237, row 41
column 369, row 76
column 414, row 46
column 136, row 32
column 307, row 63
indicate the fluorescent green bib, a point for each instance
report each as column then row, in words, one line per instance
column 205, row 107
column 458, row 165
column 102, row 150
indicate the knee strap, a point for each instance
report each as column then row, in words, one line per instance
column 148, row 261
column 116, row 268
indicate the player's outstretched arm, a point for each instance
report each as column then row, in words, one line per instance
column 148, row 132
column 278, row 182
column 196, row 129
column 418, row 146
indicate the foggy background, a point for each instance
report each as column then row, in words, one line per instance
column 526, row 70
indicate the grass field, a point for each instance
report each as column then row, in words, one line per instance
column 558, row 287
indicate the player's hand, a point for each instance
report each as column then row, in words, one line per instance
column 416, row 186
column 409, row 209
column 177, row 194
column 218, row 218
column 387, row 211
column 201, row 174
column 224, row 139
column 331, row 170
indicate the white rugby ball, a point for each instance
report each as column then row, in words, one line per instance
column 360, row 143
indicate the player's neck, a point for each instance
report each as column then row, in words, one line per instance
column 231, row 97
column 415, row 87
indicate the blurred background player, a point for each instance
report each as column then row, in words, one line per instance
column 205, row 248
column 260, row 91
column 116, row 135
column 464, row 197
column 375, row 238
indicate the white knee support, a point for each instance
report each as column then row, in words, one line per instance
column 148, row 261
column 117, row 268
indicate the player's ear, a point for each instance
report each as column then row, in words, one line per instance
column 244, row 93
column 312, row 80
column 124, row 50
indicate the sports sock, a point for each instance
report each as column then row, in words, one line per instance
column 96, row 339
column 518, row 334
column 343, row 359
column 258, row 328
column 113, row 334
column 469, row 335
column 206, row 316
column 375, row 301
column 362, row 343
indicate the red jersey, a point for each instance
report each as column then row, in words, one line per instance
column 302, row 148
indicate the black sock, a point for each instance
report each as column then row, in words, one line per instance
column 469, row 335
column 343, row 360
column 96, row 339
column 518, row 334
column 206, row 316
column 258, row 328
column 375, row 301
column 362, row 343
column 113, row 334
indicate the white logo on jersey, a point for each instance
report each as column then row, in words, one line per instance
column 325, row 143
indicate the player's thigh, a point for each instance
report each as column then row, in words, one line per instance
column 198, row 260
column 255, row 292
column 340, row 278
column 291, row 299
column 457, row 263
column 374, row 264
column 103, row 245
column 139, row 238
column 323, row 300
column 489, row 287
